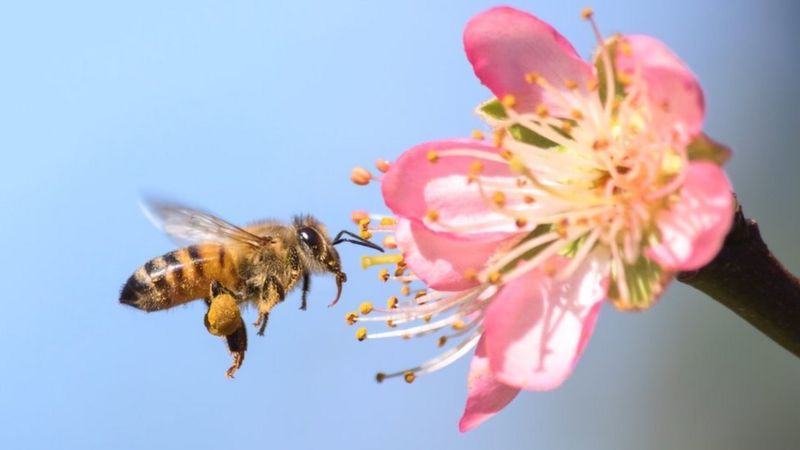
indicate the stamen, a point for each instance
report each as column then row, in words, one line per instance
column 360, row 176
column 477, row 135
column 358, row 216
column 382, row 165
column 383, row 275
column 361, row 334
column 365, row 308
column 432, row 215
column 508, row 101
column 433, row 156
column 351, row 317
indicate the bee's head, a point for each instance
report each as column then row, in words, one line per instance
column 320, row 250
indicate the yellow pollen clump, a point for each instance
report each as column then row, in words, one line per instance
column 542, row 111
column 471, row 274
column 458, row 325
column 508, row 101
column 432, row 215
column 365, row 308
column 360, row 176
column 390, row 242
column 499, row 199
column 383, row 275
column 392, row 302
column 365, row 234
column 358, row 216
column 382, row 165
column 433, row 156
column 521, row 222
column 477, row 134
column 600, row 144
column 364, row 223
column 528, row 199
column 409, row 377
column 380, row 376
column 587, row 13
column 361, row 334
column 571, row 84
column 351, row 317
column 494, row 277
column 532, row 77
column 576, row 114
column 369, row 261
column 405, row 290
column 498, row 136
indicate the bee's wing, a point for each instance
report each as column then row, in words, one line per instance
column 188, row 225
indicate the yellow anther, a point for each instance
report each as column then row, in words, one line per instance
column 361, row 334
column 542, row 111
column 358, row 216
column 402, row 264
column 458, row 325
column 389, row 242
column 592, row 84
column 365, row 308
column 561, row 228
column 471, row 274
column 494, row 277
column 427, row 318
column 566, row 126
column 576, row 114
column 506, row 154
column 477, row 134
column 528, row 199
column 405, row 290
column 368, row 261
column 351, row 317
column 388, row 221
column 383, row 274
column 498, row 136
column 409, row 377
column 508, row 101
column 433, row 156
column 360, row 176
column 390, row 323
column 365, row 234
column 475, row 168
column 587, row 13
column 571, row 84
column 442, row 341
column 600, row 144
column 392, row 302
column 499, row 199
column 382, row 165
column 419, row 295
column 521, row 222
column 380, row 376
column 363, row 224
column 624, row 78
column 432, row 215
column 532, row 77
column 516, row 165
column 398, row 272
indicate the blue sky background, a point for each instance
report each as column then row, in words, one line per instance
column 259, row 109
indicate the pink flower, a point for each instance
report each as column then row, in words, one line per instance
column 589, row 190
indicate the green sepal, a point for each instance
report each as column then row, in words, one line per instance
column 645, row 281
column 492, row 110
column 703, row 148
column 536, row 232
column 528, row 136
column 572, row 248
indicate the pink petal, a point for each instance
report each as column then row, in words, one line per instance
column 440, row 260
column 537, row 327
column 485, row 395
column 675, row 96
column 505, row 44
column 414, row 185
column 694, row 229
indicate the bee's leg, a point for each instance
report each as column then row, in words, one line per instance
column 237, row 345
column 306, row 288
column 272, row 294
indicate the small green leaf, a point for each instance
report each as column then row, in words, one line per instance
column 493, row 109
column 572, row 248
column 703, row 148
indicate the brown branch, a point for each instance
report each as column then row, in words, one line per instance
column 748, row 279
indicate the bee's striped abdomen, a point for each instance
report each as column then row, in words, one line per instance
column 180, row 276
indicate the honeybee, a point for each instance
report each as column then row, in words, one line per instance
column 227, row 266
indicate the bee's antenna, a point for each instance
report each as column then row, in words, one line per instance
column 358, row 240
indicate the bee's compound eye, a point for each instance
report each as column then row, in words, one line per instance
column 311, row 238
